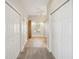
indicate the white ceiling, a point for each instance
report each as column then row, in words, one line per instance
column 34, row 7
column 37, row 18
column 30, row 7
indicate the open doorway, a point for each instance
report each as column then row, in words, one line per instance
column 37, row 32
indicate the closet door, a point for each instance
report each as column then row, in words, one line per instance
column 12, row 40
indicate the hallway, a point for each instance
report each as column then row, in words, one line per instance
column 35, row 53
column 38, row 29
column 35, row 49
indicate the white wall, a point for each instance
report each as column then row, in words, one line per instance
column 60, row 32
column 16, row 32
column 38, row 29
column 24, row 29
column 12, row 33
column 54, row 4
column 17, row 5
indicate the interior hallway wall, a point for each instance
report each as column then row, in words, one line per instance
column 12, row 40
column 60, row 32
column 16, row 32
column 17, row 5
column 24, row 32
